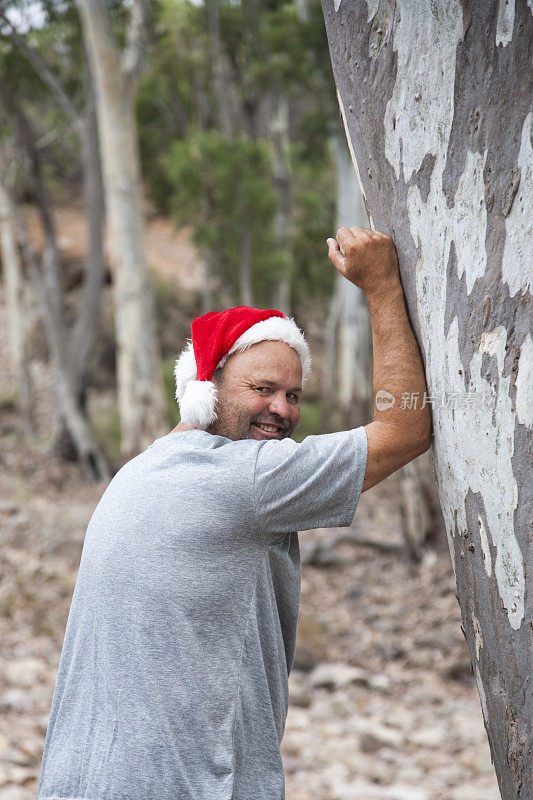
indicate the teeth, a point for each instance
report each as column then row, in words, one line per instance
column 269, row 428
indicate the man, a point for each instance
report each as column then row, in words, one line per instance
column 173, row 678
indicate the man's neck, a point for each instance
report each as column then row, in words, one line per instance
column 182, row 426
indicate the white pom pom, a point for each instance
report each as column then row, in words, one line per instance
column 197, row 404
column 184, row 370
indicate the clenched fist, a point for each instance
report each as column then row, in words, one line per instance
column 367, row 258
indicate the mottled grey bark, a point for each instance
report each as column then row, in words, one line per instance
column 436, row 100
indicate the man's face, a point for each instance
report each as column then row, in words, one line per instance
column 259, row 393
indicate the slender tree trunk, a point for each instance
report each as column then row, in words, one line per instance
column 245, row 273
column 12, row 270
column 82, row 338
column 206, row 293
column 352, row 354
column 443, row 150
column 280, row 141
column 354, row 358
column 220, row 70
column 415, row 516
column 329, row 372
column 140, row 387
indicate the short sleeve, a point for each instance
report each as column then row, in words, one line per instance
column 314, row 484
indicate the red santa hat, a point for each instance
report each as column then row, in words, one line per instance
column 215, row 336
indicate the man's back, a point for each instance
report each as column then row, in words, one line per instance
column 181, row 635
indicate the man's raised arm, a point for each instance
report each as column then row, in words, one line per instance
column 398, row 434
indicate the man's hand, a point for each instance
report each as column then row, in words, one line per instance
column 397, row 434
column 367, row 258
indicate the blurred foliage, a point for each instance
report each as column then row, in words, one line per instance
column 225, row 187
column 310, row 419
column 167, row 371
column 107, row 433
column 219, row 184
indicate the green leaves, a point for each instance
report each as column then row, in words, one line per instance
column 221, row 187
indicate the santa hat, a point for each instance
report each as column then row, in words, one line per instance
column 215, row 336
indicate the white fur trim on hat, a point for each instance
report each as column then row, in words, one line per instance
column 277, row 329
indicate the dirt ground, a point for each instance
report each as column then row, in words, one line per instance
column 383, row 703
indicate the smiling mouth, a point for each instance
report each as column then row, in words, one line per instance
column 266, row 428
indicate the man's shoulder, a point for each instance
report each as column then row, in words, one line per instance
column 201, row 444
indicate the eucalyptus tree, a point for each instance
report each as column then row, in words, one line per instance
column 436, row 99
column 115, row 71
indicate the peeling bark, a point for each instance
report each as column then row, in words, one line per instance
column 436, row 101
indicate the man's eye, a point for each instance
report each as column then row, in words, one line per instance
column 294, row 398
column 262, row 389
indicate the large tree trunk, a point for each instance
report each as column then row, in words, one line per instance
column 435, row 97
column 140, row 387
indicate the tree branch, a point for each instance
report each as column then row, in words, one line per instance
column 137, row 38
column 44, row 73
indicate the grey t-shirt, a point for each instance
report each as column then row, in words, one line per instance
column 173, row 680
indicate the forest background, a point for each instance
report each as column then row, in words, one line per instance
column 241, row 169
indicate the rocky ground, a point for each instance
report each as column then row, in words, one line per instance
column 383, row 703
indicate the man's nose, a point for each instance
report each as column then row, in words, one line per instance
column 279, row 405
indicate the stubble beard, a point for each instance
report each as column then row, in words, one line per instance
column 233, row 424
